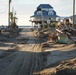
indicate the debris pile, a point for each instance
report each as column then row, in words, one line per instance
column 12, row 32
column 67, row 67
column 63, row 35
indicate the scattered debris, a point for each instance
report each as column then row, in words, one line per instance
column 67, row 68
column 12, row 32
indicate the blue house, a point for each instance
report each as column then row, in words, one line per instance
column 43, row 12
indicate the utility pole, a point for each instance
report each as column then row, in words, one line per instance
column 9, row 12
column 12, row 14
column 73, row 13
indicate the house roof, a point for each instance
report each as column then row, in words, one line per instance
column 45, row 6
column 45, row 13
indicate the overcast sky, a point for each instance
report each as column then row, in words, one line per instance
column 26, row 8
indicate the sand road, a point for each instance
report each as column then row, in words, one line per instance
column 25, row 61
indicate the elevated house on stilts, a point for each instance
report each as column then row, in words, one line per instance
column 42, row 14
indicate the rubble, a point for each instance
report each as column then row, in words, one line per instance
column 12, row 32
column 67, row 67
column 62, row 36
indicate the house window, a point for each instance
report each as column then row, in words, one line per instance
column 50, row 9
column 39, row 13
column 50, row 13
column 46, row 9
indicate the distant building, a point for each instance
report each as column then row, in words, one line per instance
column 43, row 13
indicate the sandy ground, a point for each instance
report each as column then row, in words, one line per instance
column 60, row 53
column 20, row 55
column 23, row 55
